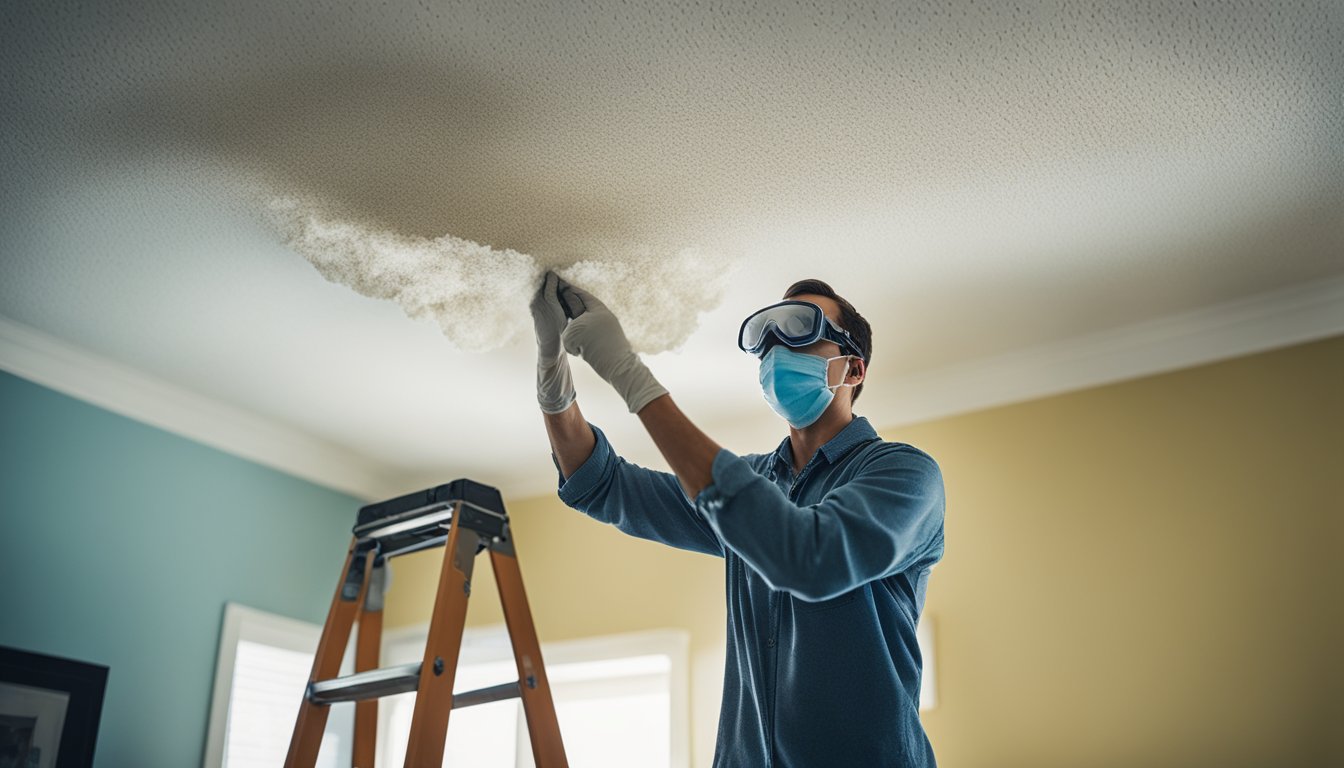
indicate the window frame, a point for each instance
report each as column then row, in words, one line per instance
column 243, row 622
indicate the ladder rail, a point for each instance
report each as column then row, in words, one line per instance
column 367, row 651
column 434, row 693
column 543, row 727
column 312, row 717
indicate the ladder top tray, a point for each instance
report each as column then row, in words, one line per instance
column 431, row 505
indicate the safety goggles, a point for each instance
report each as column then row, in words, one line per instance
column 795, row 323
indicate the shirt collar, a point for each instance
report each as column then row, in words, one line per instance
column 855, row 432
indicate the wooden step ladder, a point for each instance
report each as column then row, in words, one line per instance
column 465, row 518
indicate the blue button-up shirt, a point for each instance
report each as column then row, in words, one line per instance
column 826, row 575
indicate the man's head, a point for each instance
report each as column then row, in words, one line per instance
column 843, row 314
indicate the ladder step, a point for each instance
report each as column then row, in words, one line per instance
column 390, row 681
column 372, row 684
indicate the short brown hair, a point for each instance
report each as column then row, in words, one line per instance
column 850, row 319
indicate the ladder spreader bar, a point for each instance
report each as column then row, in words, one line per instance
column 389, row 681
column 486, row 695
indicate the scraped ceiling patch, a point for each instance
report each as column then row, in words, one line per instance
column 478, row 295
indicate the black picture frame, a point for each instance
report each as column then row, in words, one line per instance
column 85, row 685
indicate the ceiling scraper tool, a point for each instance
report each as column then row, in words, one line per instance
column 571, row 302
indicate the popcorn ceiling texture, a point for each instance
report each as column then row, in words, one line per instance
column 556, row 129
column 473, row 291
column 977, row 177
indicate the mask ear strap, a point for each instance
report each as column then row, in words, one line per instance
column 848, row 363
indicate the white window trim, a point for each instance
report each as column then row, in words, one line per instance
column 242, row 622
column 491, row 643
column 928, row 684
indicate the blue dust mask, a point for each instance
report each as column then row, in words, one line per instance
column 795, row 384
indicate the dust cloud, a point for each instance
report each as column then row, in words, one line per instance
column 478, row 295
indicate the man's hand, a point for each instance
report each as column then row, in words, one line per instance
column 555, row 387
column 596, row 335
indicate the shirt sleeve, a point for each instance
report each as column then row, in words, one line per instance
column 639, row 501
column 885, row 519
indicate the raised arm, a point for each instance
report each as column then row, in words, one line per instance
column 596, row 335
column 638, row 501
column 689, row 452
column 571, row 438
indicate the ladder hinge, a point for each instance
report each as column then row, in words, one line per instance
column 354, row 576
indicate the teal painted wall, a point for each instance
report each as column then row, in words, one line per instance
column 122, row 542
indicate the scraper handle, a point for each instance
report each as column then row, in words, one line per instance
column 571, row 300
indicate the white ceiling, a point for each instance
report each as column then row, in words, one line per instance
column 978, row 178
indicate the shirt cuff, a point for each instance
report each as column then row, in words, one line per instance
column 730, row 474
column 589, row 475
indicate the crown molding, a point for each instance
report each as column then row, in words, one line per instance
column 79, row 373
column 1293, row 315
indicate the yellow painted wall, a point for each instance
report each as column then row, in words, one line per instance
column 1142, row 574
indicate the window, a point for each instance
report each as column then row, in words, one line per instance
column 262, row 671
column 621, row 701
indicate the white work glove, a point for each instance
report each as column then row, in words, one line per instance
column 555, row 387
column 595, row 334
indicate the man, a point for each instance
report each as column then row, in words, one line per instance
column 827, row 541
